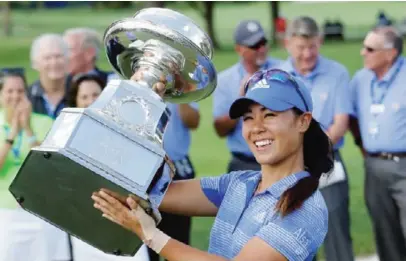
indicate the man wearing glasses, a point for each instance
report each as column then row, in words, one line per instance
column 251, row 46
column 328, row 81
column 379, row 129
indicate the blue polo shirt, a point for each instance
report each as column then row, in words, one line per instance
column 329, row 86
column 177, row 135
column 227, row 91
column 242, row 216
column 388, row 93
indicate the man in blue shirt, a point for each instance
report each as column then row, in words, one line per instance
column 379, row 129
column 177, row 138
column 328, row 82
column 251, row 47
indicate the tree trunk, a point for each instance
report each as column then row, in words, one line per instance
column 274, row 14
column 7, row 19
column 209, row 17
column 160, row 4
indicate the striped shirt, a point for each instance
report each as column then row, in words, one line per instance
column 241, row 216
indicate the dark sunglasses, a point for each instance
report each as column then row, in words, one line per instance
column 371, row 49
column 274, row 75
column 15, row 71
column 258, row 45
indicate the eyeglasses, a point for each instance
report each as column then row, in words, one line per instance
column 258, row 45
column 274, row 75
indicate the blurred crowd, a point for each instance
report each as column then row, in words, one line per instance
column 371, row 105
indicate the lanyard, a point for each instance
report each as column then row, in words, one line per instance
column 389, row 83
column 17, row 147
column 308, row 80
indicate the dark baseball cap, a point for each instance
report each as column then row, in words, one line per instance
column 249, row 33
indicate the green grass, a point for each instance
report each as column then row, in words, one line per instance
column 208, row 152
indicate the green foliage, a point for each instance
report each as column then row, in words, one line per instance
column 209, row 153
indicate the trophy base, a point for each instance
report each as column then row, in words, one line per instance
column 58, row 190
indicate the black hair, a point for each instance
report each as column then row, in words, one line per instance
column 77, row 80
column 12, row 72
column 318, row 159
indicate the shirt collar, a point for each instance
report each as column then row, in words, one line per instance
column 267, row 64
column 394, row 69
column 286, row 183
column 318, row 69
column 38, row 91
column 277, row 189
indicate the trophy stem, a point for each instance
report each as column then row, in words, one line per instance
column 158, row 62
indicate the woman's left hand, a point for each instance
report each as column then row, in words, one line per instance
column 130, row 216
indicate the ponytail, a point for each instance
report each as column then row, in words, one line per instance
column 318, row 159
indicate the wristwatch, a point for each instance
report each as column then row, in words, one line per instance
column 10, row 141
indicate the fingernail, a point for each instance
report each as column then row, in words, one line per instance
column 130, row 201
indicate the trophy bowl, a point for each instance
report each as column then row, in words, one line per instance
column 194, row 70
column 117, row 142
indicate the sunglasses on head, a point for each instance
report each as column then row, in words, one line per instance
column 16, row 70
column 258, row 45
column 274, row 75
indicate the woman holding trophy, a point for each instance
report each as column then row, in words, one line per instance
column 276, row 213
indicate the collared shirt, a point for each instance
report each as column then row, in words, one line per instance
column 242, row 216
column 329, row 86
column 40, row 102
column 227, row 91
column 40, row 124
column 390, row 92
column 177, row 135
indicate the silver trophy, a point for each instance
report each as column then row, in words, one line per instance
column 117, row 142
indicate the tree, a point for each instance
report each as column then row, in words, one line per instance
column 7, row 18
column 275, row 14
column 160, row 4
column 206, row 9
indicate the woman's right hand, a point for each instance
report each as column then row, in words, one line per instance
column 158, row 87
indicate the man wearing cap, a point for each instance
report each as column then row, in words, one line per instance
column 329, row 84
column 379, row 129
column 251, row 47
